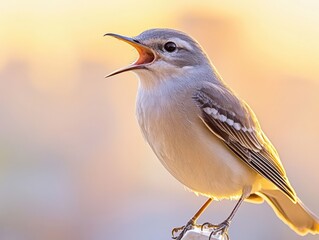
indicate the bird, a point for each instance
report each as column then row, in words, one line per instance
column 207, row 137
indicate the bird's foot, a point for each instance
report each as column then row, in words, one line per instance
column 220, row 229
column 190, row 225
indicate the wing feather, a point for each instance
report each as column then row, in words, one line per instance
column 236, row 125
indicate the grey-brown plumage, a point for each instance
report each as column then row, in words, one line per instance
column 235, row 124
column 206, row 137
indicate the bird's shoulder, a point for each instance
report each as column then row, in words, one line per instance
column 220, row 102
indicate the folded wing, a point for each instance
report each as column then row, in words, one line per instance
column 236, row 125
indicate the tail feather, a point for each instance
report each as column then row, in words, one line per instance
column 295, row 215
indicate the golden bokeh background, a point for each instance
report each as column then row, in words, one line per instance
column 73, row 164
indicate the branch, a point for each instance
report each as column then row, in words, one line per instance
column 198, row 234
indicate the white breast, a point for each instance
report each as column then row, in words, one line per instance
column 186, row 148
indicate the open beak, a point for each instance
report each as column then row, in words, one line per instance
column 146, row 54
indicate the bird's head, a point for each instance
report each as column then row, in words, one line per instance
column 163, row 54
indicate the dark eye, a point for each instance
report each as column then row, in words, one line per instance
column 170, row 47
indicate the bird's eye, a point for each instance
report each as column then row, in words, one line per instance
column 170, row 47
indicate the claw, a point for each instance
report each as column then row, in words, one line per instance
column 175, row 230
column 184, row 229
column 220, row 229
column 207, row 225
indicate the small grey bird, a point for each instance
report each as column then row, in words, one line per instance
column 204, row 135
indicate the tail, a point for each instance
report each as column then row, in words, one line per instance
column 295, row 215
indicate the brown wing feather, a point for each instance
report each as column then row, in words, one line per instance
column 237, row 126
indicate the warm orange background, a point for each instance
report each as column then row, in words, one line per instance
column 73, row 164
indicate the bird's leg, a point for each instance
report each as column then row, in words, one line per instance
column 191, row 223
column 222, row 228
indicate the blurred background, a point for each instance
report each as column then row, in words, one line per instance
column 73, row 164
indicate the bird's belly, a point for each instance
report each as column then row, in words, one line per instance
column 199, row 160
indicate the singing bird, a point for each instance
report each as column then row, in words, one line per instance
column 205, row 136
